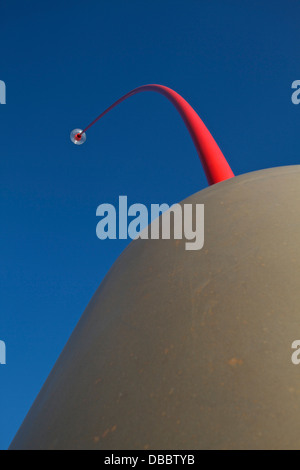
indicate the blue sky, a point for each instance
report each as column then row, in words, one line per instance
column 63, row 63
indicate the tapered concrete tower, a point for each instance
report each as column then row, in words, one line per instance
column 189, row 349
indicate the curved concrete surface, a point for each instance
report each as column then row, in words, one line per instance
column 189, row 349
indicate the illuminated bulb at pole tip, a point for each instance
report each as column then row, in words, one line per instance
column 78, row 137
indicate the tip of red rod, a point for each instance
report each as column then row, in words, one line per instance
column 78, row 137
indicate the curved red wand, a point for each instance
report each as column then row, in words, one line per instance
column 213, row 161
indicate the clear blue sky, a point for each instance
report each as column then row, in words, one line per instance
column 63, row 63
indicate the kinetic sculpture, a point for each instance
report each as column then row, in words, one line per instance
column 214, row 163
column 189, row 349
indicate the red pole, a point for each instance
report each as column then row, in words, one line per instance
column 213, row 161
